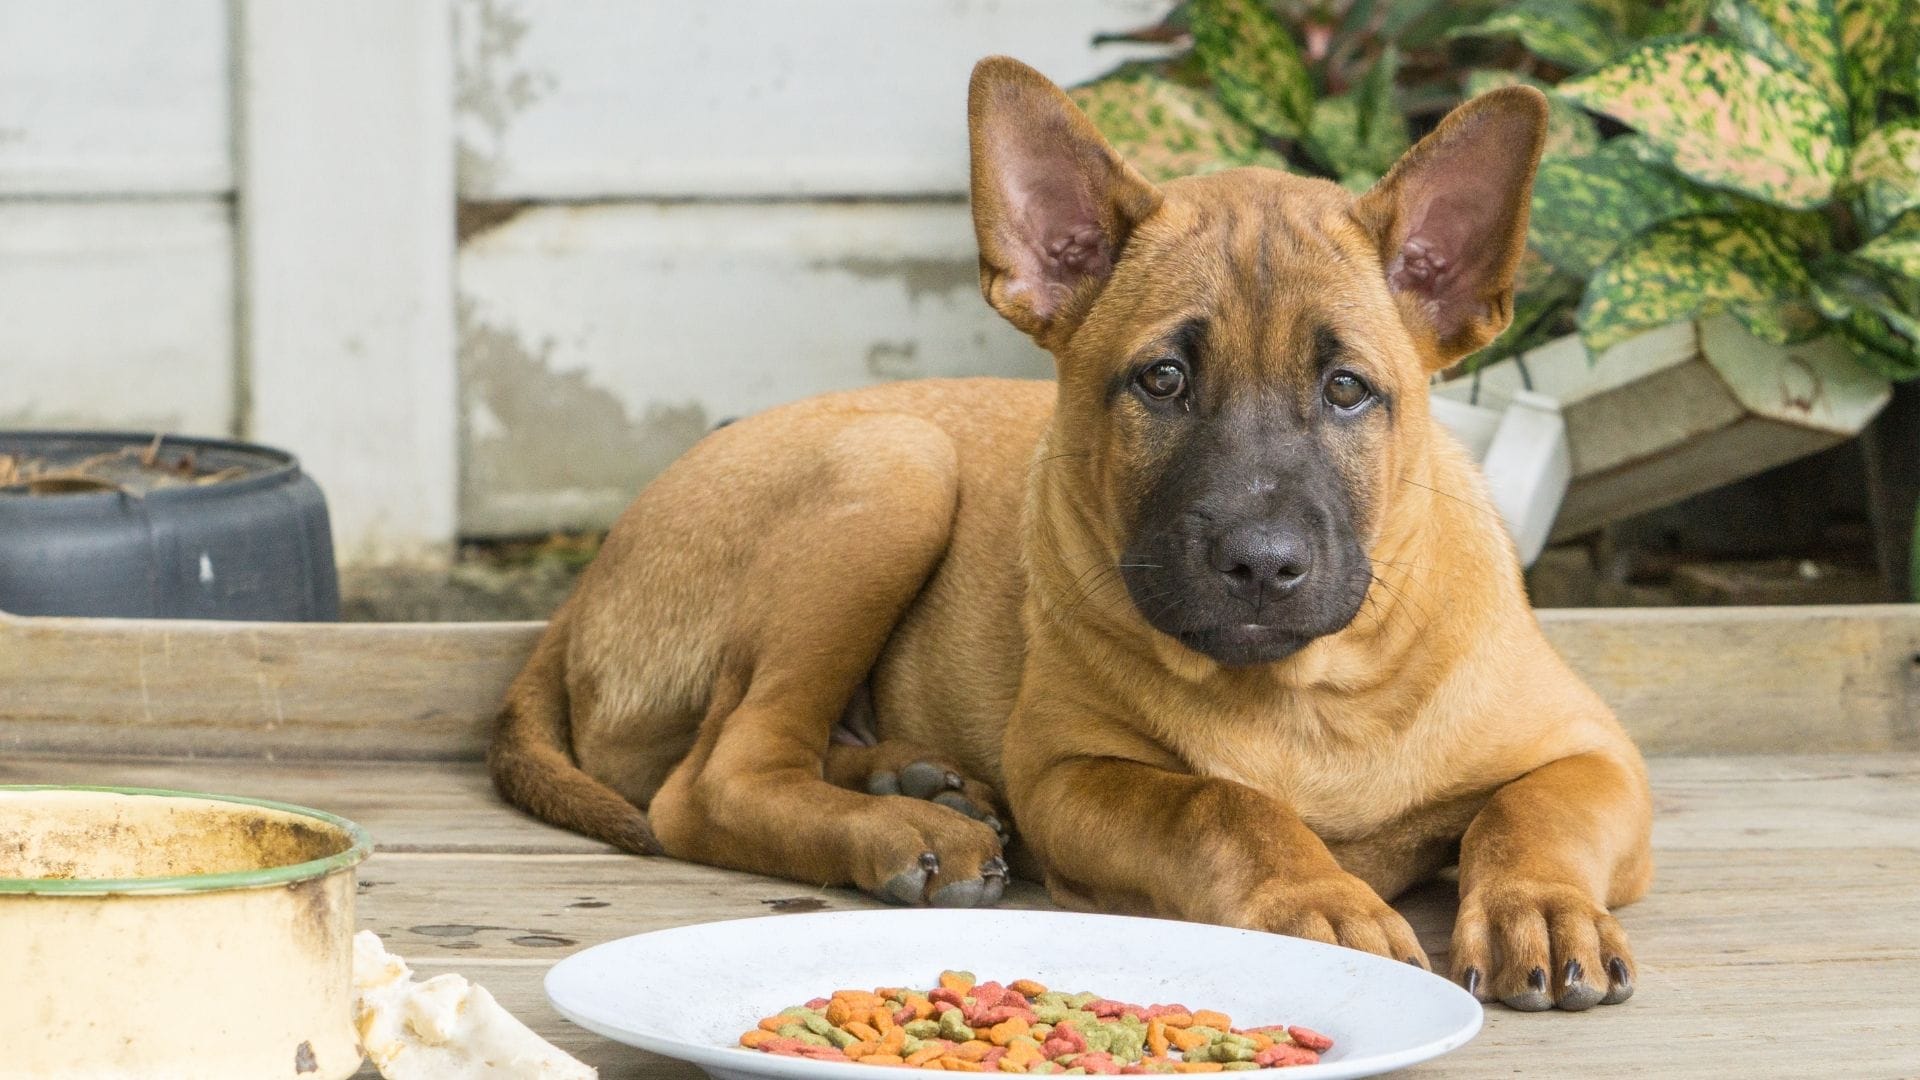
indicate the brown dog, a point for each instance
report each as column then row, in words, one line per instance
column 1221, row 619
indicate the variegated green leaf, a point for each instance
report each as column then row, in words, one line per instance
column 1693, row 266
column 1584, row 208
column 1801, row 36
column 1870, row 38
column 1897, row 252
column 1570, row 131
column 1254, row 63
column 1571, row 33
column 1645, row 20
column 1885, row 339
column 1168, row 130
column 1358, row 135
column 1886, row 171
column 1724, row 117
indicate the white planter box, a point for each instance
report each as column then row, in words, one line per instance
column 1680, row 410
column 1522, row 448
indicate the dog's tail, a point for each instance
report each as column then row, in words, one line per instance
column 532, row 760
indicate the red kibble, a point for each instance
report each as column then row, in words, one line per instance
column 940, row 995
column 1280, row 1055
column 1309, row 1038
column 1099, row 1062
column 818, row 1004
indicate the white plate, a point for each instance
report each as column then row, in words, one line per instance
column 690, row 992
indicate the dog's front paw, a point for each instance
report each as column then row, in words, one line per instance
column 1539, row 945
column 1339, row 909
column 925, row 853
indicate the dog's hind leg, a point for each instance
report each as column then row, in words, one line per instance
column 840, row 561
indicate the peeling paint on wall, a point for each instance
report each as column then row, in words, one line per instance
column 893, row 359
column 539, row 440
column 920, row 277
column 488, row 89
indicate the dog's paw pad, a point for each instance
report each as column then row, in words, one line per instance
column 928, row 780
column 975, row 892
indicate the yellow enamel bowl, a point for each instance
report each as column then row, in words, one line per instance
column 167, row 934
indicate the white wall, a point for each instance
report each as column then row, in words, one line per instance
column 676, row 212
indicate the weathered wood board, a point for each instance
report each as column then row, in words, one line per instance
column 1684, row 680
column 735, row 98
column 115, row 97
column 116, row 312
column 599, row 341
column 1777, row 939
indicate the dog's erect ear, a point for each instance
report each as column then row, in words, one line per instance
column 1052, row 203
column 1451, row 218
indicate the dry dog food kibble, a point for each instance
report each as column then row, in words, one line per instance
column 1023, row 1027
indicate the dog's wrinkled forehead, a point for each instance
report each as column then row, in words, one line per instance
column 1270, row 264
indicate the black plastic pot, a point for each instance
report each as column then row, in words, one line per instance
column 253, row 546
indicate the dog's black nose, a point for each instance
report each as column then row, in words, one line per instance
column 1261, row 562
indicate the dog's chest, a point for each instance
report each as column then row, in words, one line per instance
column 1346, row 784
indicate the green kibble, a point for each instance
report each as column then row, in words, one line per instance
column 793, row 1030
column 811, row 1039
column 923, row 1029
column 911, row 1045
column 1041, row 1031
column 1238, row 1066
column 841, row 1039
column 953, row 1025
column 818, row 1025
column 1075, row 1071
column 1099, row 1037
column 1081, row 1001
column 1127, row 1043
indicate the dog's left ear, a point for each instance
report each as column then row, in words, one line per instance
column 1451, row 219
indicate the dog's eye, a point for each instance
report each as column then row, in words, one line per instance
column 1346, row 391
column 1164, row 380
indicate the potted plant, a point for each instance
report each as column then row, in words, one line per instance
column 151, row 526
column 1724, row 271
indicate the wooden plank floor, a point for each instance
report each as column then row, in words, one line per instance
column 1780, row 938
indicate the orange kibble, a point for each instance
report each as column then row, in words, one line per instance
column 922, row 1008
column 924, row 1054
column 1198, row 1066
column 861, row 1031
column 1177, row 1020
column 954, row 1063
column 957, row 981
column 1219, row 1021
column 775, row 1023
column 883, row 1059
column 861, row 1049
column 1024, row 1053
column 1185, row 1039
column 881, row 1020
column 894, row 1040
column 1026, row 987
column 890, row 993
column 934, row 1064
column 839, row 1011
column 1007, row 1064
column 1157, row 1038
column 756, row 1037
column 1005, row 1032
column 972, row 1050
column 1260, row 1041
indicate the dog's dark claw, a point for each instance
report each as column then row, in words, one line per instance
column 1535, row 997
column 994, row 867
column 1576, row 994
column 1537, row 980
column 1471, row 980
column 930, row 862
column 953, row 780
column 1621, row 987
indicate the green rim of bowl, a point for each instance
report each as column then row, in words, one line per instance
column 358, row 850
